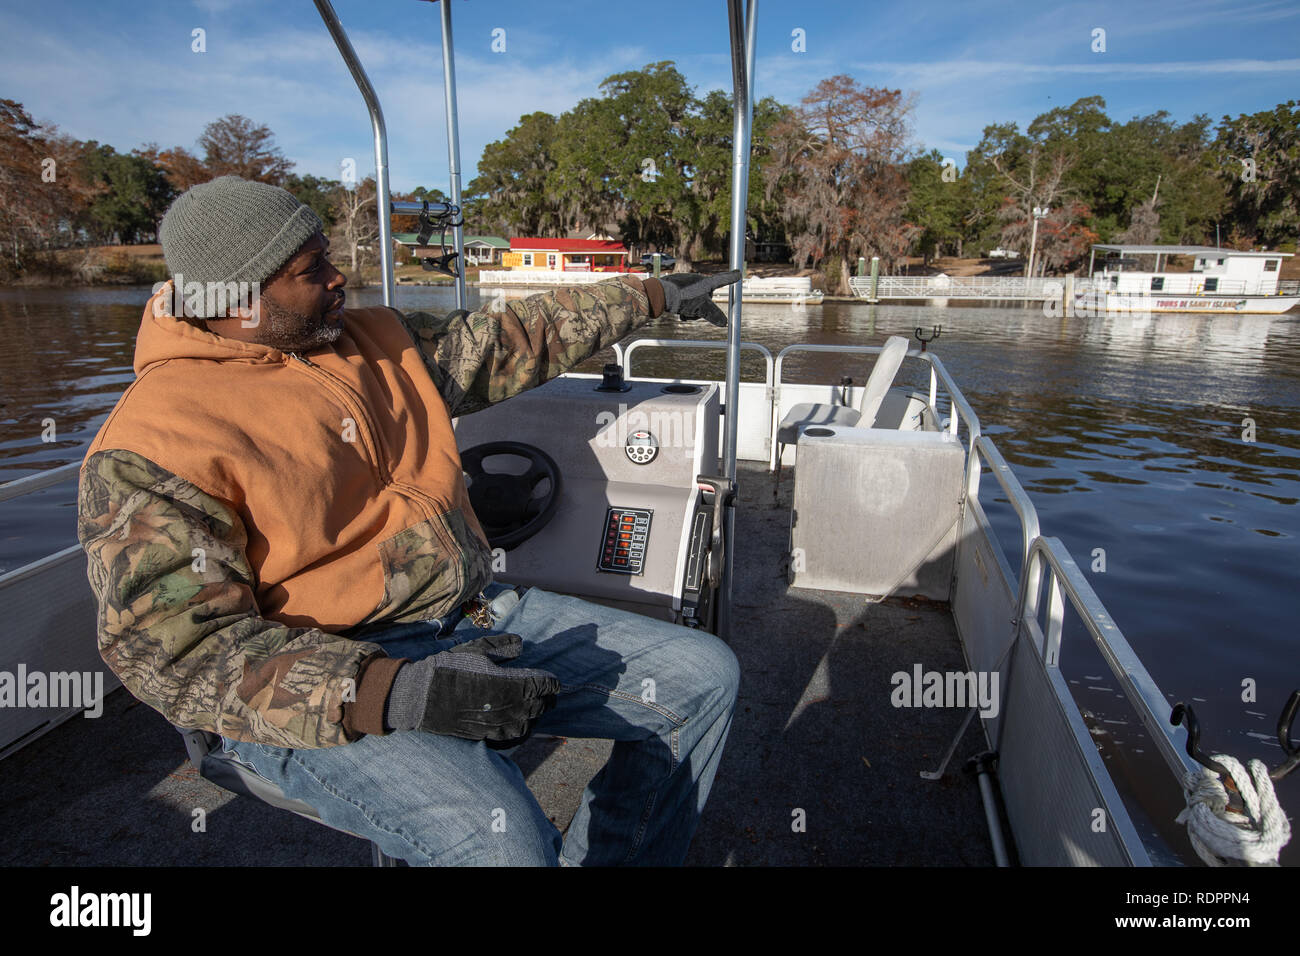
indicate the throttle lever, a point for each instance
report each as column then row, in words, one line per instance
column 724, row 492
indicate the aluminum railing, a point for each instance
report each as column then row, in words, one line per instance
column 1067, row 587
column 957, row 287
column 984, row 452
column 625, row 356
column 43, row 479
column 1048, row 555
column 11, row 490
column 25, row 486
column 1190, row 284
column 1065, row 580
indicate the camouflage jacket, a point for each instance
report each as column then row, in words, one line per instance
column 244, row 510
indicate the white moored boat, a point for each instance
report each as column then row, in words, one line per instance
column 1221, row 280
column 779, row 290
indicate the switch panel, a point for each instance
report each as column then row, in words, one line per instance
column 622, row 549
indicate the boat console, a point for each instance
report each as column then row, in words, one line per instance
column 631, row 517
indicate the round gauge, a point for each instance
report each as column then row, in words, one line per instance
column 641, row 447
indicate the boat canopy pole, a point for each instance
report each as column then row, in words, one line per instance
column 453, row 150
column 383, row 199
column 743, row 34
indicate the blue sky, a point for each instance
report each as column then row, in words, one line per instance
column 123, row 72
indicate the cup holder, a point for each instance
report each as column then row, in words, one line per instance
column 681, row 388
column 818, row 432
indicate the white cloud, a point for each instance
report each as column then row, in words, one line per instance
column 942, row 72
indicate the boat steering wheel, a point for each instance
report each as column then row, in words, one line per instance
column 504, row 503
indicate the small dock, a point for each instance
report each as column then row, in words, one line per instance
column 996, row 288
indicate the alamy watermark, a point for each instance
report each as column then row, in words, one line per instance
column 961, row 689
column 1088, row 303
column 83, row 690
column 670, row 429
column 209, row 300
column 76, row 908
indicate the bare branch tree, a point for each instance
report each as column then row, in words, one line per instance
column 1037, row 178
column 236, row 146
column 356, row 222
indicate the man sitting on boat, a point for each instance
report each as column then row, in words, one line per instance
column 284, row 553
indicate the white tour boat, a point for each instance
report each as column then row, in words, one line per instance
column 1221, row 280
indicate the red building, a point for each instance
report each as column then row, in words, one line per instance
column 567, row 255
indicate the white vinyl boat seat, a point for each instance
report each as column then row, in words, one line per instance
column 808, row 414
column 227, row 771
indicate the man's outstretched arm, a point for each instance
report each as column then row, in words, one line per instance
column 480, row 358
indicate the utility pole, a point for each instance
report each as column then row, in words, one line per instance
column 1040, row 212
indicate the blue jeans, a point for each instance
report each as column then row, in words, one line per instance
column 663, row 693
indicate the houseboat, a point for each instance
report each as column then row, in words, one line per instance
column 1220, row 280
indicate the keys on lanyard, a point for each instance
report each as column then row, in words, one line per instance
column 478, row 610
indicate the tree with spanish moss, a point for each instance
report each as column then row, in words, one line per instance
column 1259, row 162
column 845, row 190
column 41, row 193
column 511, row 195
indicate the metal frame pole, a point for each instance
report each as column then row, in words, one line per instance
column 383, row 197
column 453, row 145
column 744, row 34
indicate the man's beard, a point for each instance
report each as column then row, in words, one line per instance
column 291, row 331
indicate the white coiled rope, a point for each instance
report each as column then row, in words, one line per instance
column 1222, row 837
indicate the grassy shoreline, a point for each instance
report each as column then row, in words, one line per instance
column 91, row 266
column 144, row 265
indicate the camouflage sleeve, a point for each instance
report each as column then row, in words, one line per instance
column 179, row 623
column 480, row 358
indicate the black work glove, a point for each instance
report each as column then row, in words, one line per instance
column 691, row 296
column 463, row 692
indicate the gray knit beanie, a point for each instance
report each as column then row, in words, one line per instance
column 233, row 230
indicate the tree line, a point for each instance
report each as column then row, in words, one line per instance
column 57, row 192
column 835, row 178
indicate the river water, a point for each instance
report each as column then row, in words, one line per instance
column 1132, row 437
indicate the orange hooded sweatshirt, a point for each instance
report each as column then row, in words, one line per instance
column 244, row 508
